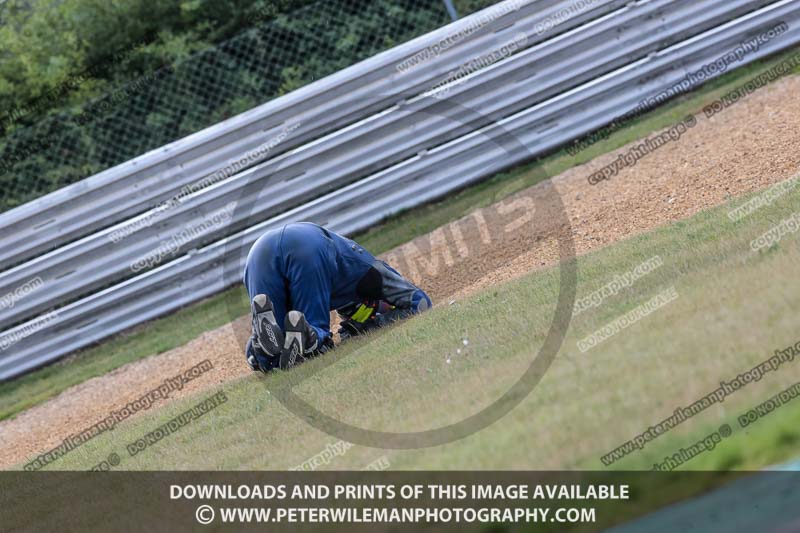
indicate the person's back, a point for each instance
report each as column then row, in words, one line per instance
column 297, row 274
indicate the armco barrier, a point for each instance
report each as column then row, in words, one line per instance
column 318, row 109
column 393, row 136
column 469, row 158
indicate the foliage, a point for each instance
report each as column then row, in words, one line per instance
column 88, row 84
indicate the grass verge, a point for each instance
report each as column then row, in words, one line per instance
column 176, row 329
column 735, row 308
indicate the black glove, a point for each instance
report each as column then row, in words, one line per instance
column 350, row 328
column 369, row 316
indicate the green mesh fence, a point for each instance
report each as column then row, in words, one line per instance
column 176, row 100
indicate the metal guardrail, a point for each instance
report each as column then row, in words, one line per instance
column 470, row 158
column 318, row 109
column 336, row 160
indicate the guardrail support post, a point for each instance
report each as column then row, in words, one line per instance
column 451, row 9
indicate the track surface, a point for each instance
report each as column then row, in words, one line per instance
column 743, row 149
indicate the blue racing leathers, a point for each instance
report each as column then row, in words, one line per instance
column 307, row 268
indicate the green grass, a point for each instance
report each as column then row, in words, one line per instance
column 151, row 338
column 735, row 307
column 174, row 330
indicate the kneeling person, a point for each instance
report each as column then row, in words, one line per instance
column 297, row 274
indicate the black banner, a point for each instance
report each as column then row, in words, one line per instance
column 399, row 501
